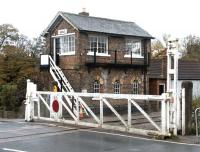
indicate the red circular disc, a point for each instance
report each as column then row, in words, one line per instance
column 55, row 106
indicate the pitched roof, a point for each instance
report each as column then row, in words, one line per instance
column 102, row 25
column 187, row 70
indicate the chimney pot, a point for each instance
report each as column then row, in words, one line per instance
column 84, row 13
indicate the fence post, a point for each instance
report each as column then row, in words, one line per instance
column 129, row 113
column 77, row 110
column 183, row 110
column 38, row 103
column 101, row 111
column 188, row 107
column 29, row 109
column 164, row 115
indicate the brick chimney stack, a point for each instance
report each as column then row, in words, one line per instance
column 84, row 13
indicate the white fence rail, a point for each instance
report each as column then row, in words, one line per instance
column 35, row 99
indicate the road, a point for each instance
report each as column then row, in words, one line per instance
column 19, row 136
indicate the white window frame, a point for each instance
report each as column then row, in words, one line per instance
column 98, row 38
column 136, row 87
column 68, row 52
column 96, row 86
column 135, row 44
column 117, row 87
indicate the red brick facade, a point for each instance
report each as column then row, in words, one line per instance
column 82, row 73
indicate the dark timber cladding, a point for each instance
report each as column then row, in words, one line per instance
column 98, row 52
column 187, row 70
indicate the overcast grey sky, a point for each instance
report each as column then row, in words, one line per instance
column 176, row 17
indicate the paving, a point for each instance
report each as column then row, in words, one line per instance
column 20, row 136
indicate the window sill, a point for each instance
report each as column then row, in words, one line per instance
column 98, row 54
column 133, row 56
column 69, row 53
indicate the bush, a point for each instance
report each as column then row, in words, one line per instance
column 12, row 96
column 196, row 103
column 7, row 97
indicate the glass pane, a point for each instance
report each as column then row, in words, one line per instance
column 96, row 87
column 67, row 43
column 58, row 45
column 117, row 87
column 98, row 43
column 133, row 46
column 102, row 42
column 93, row 43
column 135, row 87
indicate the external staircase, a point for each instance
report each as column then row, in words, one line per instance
column 64, row 85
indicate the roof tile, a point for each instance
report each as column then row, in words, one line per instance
column 103, row 25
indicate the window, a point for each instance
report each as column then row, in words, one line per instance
column 133, row 46
column 135, row 87
column 161, row 88
column 117, row 87
column 98, row 44
column 96, row 87
column 65, row 44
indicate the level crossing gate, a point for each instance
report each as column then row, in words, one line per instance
column 35, row 99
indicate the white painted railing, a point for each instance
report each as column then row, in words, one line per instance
column 36, row 98
column 62, row 81
column 59, row 77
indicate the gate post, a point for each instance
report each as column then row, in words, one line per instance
column 172, row 85
column 164, row 114
column 186, row 107
column 29, row 109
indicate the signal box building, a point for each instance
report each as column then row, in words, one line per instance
column 100, row 55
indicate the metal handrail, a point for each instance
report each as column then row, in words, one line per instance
column 196, row 121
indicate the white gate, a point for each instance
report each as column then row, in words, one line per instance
column 58, row 109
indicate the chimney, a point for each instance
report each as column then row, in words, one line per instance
column 84, row 13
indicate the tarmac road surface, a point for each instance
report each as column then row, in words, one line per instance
column 19, row 136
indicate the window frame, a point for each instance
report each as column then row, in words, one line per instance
column 96, row 86
column 71, row 44
column 133, row 43
column 136, row 87
column 97, row 47
column 117, row 87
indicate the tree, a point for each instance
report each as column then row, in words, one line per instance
column 19, row 61
column 38, row 46
column 8, row 34
column 16, row 65
column 159, row 47
column 158, row 50
column 191, row 48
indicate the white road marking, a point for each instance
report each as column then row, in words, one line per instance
column 13, row 150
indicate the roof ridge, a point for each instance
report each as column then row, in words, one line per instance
column 98, row 17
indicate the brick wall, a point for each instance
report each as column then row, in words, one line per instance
column 82, row 77
column 154, row 86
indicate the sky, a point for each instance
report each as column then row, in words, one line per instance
column 179, row 18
